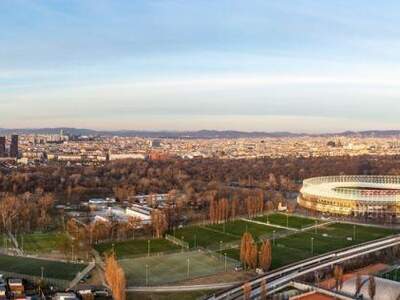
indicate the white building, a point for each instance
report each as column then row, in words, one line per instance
column 127, row 156
column 139, row 211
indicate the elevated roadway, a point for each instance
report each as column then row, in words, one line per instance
column 286, row 274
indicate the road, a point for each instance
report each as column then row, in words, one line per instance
column 181, row 288
column 289, row 273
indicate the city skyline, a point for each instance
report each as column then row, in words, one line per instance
column 183, row 65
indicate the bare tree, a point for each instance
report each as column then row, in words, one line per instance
column 246, row 249
column 159, row 223
column 338, row 275
column 371, row 287
column 265, row 257
column 358, row 283
column 264, row 291
column 247, row 291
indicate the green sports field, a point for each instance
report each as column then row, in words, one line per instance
column 237, row 228
column 211, row 236
column 298, row 246
column 290, row 221
column 172, row 267
column 39, row 242
column 137, row 247
column 32, row 267
column 203, row 236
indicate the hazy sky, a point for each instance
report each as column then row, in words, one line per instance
column 250, row 65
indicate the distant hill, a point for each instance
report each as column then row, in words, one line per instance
column 201, row 134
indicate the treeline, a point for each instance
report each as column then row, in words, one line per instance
column 197, row 188
column 194, row 176
column 27, row 212
column 222, row 210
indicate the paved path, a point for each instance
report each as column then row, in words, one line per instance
column 181, row 288
column 81, row 274
column 270, row 224
column 15, row 242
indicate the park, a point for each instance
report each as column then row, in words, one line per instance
column 214, row 248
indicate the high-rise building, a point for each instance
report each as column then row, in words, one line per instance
column 156, row 143
column 14, row 146
column 2, row 146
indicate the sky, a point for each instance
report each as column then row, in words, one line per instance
column 267, row 65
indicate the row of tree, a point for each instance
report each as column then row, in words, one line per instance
column 223, row 210
column 251, row 256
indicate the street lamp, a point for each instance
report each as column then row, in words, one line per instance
column 312, row 246
column 188, row 267
column 42, row 271
column 147, row 274
column 226, row 265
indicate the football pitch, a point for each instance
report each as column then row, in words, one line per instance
column 290, row 221
column 216, row 235
column 173, row 267
column 43, row 242
column 137, row 247
column 301, row 245
column 33, row 267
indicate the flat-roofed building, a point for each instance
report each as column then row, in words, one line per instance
column 139, row 211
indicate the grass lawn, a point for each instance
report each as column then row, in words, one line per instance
column 199, row 236
column 172, row 267
column 293, row 221
column 237, row 228
column 32, row 266
column 332, row 237
column 137, row 247
column 42, row 242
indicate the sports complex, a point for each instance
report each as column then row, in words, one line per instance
column 352, row 195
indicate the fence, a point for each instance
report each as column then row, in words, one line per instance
column 59, row 283
column 223, row 246
column 177, row 241
column 219, row 256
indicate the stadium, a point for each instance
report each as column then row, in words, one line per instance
column 356, row 195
